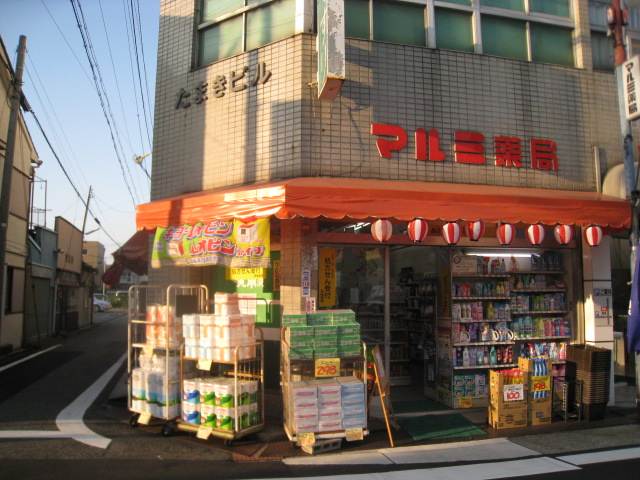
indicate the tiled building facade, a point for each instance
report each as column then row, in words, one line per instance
column 255, row 117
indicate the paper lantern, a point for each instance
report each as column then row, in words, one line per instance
column 563, row 234
column 451, row 233
column 535, row 234
column 593, row 235
column 381, row 230
column 505, row 233
column 417, row 229
column 475, row 230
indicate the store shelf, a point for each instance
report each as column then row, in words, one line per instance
column 538, row 312
column 474, row 344
column 539, row 290
column 480, row 275
column 487, row 367
column 484, row 320
column 552, row 337
column 462, row 299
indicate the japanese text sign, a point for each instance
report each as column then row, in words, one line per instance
column 630, row 79
column 235, row 243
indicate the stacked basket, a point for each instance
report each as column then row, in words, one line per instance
column 591, row 366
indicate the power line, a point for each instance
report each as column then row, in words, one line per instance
column 101, row 91
column 55, row 155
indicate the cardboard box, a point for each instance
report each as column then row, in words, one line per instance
column 515, row 418
column 506, row 396
column 539, row 411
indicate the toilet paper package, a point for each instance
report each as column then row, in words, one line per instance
column 190, row 393
column 208, row 415
column 190, row 413
column 138, row 390
column 168, row 397
column 225, row 418
column 248, row 392
column 226, row 303
column 205, row 330
column 228, row 330
column 190, row 326
column 207, row 389
column 225, row 392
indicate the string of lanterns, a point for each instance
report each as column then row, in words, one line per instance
column 418, row 229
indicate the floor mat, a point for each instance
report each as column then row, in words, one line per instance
column 433, row 427
column 412, row 406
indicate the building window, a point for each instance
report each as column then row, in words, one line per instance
column 230, row 27
column 504, row 37
column 551, row 44
column 14, row 298
column 517, row 5
column 454, row 29
column 534, row 30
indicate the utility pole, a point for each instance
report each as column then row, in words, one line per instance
column 5, row 194
column 617, row 19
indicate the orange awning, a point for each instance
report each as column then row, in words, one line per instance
column 405, row 200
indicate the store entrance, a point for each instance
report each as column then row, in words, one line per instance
column 393, row 290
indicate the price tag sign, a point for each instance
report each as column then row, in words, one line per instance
column 148, row 351
column 144, row 419
column 327, row 367
column 541, row 383
column 352, row 434
column 465, row 402
column 306, row 439
column 204, row 364
column 513, row 393
column 204, row 432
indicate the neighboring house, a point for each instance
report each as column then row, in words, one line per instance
column 74, row 303
column 93, row 254
column 41, row 284
column 12, row 317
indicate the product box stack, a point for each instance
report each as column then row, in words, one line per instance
column 224, row 336
column 163, row 329
column 222, row 403
column 325, row 405
column 538, row 378
column 326, row 334
column 472, row 386
column 592, row 367
column 155, row 386
column 507, row 399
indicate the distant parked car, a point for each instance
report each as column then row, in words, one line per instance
column 100, row 303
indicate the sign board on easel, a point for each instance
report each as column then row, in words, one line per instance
column 384, row 389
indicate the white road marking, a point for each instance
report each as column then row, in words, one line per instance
column 70, row 420
column 602, row 457
column 7, row 367
column 484, row 471
column 490, row 449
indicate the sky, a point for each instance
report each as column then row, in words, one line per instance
column 97, row 116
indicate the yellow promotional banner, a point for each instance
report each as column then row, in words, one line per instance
column 235, row 273
column 233, row 244
column 327, row 277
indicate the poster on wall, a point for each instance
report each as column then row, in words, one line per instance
column 327, row 277
column 232, row 244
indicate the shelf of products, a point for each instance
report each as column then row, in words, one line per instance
column 323, row 387
column 498, row 314
column 370, row 316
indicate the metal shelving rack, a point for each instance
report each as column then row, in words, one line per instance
column 243, row 366
column 304, row 370
column 151, row 333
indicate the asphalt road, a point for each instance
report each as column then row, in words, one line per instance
column 59, row 420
